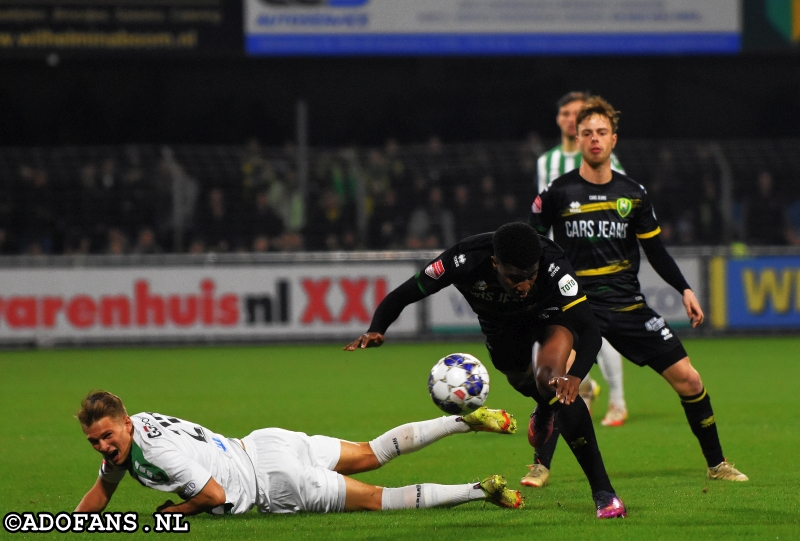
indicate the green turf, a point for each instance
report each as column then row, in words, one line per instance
column 654, row 461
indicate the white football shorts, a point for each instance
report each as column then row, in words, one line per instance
column 295, row 471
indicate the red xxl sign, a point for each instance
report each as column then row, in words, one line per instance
column 202, row 302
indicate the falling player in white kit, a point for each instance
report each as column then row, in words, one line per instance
column 274, row 470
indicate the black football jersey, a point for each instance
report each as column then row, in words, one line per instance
column 468, row 266
column 597, row 225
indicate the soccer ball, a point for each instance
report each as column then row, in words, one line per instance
column 458, row 383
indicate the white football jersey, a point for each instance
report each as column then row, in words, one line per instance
column 173, row 455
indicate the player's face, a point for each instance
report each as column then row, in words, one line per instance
column 596, row 140
column 516, row 282
column 566, row 118
column 111, row 438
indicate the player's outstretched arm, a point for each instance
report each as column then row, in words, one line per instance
column 366, row 340
column 212, row 495
column 387, row 311
column 97, row 498
column 693, row 309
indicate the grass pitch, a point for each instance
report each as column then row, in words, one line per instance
column 654, row 461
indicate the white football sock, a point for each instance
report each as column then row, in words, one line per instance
column 430, row 495
column 610, row 362
column 414, row 436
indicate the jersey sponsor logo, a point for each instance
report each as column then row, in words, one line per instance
column 624, row 206
column 435, row 270
column 574, row 207
column 553, row 269
column 598, row 198
column 655, row 323
column 568, row 286
column 536, row 207
column 590, row 229
column 459, row 259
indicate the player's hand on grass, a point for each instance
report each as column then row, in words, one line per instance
column 166, row 505
column 366, row 340
column 693, row 309
column 566, row 388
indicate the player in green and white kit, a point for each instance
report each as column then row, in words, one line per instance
column 552, row 164
column 274, row 470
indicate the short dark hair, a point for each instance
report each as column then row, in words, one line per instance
column 598, row 106
column 569, row 97
column 100, row 404
column 517, row 244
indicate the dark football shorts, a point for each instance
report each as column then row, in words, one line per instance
column 511, row 348
column 641, row 335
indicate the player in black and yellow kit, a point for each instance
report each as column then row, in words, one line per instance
column 523, row 289
column 599, row 217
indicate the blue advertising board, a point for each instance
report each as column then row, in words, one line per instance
column 452, row 27
column 755, row 293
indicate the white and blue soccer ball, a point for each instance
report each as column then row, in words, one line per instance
column 459, row 383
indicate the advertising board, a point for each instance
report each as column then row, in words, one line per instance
column 331, row 27
column 197, row 303
column 755, row 293
column 35, row 26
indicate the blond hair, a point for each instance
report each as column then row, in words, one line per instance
column 99, row 404
column 596, row 105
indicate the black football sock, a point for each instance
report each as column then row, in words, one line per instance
column 576, row 428
column 544, row 454
column 701, row 419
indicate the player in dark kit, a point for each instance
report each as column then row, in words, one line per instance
column 597, row 216
column 523, row 289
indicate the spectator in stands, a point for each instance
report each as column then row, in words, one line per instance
column 135, row 197
column 7, row 246
column 793, row 217
column 146, row 242
column 260, row 244
column 510, row 210
column 436, row 166
column 218, row 229
column 386, row 228
column 488, row 218
column 197, row 246
column 765, row 214
column 465, row 212
column 263, row 221
column 708, row 214
column 328, row 223
column 117, row 242
column 432, row 225
column 36, row 217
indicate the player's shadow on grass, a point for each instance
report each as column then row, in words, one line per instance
column 676, row 473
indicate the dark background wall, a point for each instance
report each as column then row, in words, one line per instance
column 366, row 100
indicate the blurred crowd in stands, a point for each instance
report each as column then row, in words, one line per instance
column 149, row 200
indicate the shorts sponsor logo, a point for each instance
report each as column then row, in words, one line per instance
column 655, row 324
column 536, row 207
column 666, row 334
column 435, row 270
column 624, row 206
column 568, row 286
